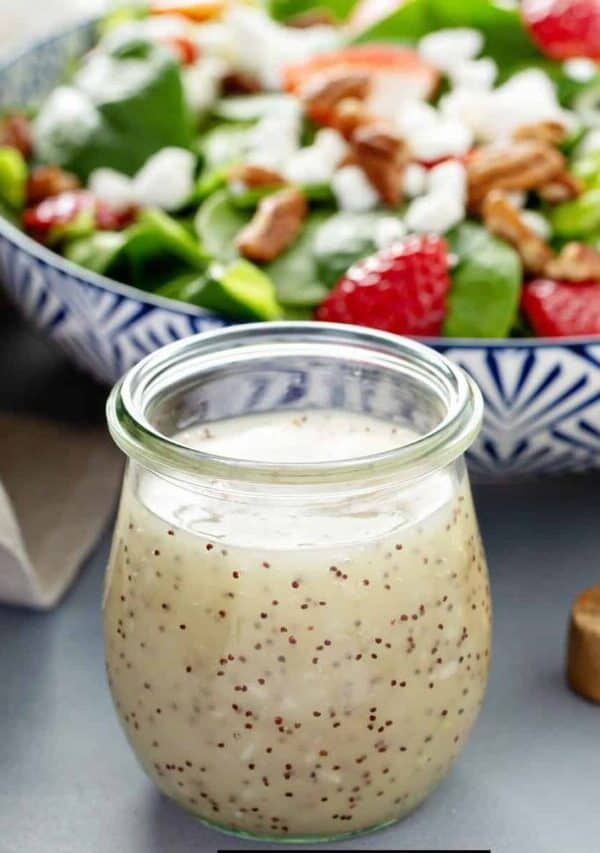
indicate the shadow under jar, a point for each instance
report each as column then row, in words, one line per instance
column 296, row 612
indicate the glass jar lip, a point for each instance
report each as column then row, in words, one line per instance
column 450, row 438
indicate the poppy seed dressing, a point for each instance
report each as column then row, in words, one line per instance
column 297, row 667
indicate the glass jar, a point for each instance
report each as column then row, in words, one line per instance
column 296, row 612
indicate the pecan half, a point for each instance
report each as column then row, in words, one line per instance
column 274, row 226
column 322, row 92
column 239, row 83
column 517, row 166
column 47, row 181
column 382, row 155
column 551, row 132
column 576, row 262
column 348, row 115
column 15, row 132
column 563, row 187
column 502, row 218
column 255, row 176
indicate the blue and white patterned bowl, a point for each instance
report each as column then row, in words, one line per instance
column 542, row 396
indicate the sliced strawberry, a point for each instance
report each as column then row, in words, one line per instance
column 49, row 219
column 400, row 289
column 183, row 48
column 559, row 308
column 397, row 72
column 56, row 212
column 564, row 29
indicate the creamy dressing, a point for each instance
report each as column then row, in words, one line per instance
column 297, row 670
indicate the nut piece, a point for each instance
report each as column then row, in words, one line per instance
column 562, row 188
column 517, row 166
column 274, row 226
column 551, row 132
column 16, row 133
column 348, row 115
column 47, row 181
column 322, row 92
column 583, row 654
column 382, row 155
column 239, row 83
column 576, row 262
column 255, row 176
column 503, row 219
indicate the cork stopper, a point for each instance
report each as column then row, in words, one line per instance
column 583, row 654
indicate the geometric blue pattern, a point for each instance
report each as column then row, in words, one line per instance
column 542, row 413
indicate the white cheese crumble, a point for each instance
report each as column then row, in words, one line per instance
column 414, row 180
column 353, row 190
column 112, row 187
column 538, row 223
column 445, row 49
column 434, row 213
column 388, row 230
column 166, row 180
column 202, row 82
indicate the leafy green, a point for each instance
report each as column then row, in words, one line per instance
column 240, row 290
column 343, row 239
column 295, row 273
column 208, row 182
column 587, row 103
column 285, row 9
column 13, row 177
column 186, row 287
column 484, row 296
column 133, row 105
column 155, row 250
column 218, row 223
column 588, row 169
column 579, row 218
column 506, row 40
column 121, row 14
column 97, row 251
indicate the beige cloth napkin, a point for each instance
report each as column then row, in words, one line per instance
column 58, row 488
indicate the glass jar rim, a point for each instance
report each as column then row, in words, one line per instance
column 140, row 440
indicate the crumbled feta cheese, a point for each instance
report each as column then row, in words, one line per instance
column 415, row 116
column 449, row 177
column 538, row 223
column 332, row 144
column 581, row 69
column 154, row 27
column 391, row 90
column 474, row 73
column 66, row 114
column 388, row 230
column 316, row 163
column 526, row 98
column 434, row 213
column 166, row 180
column 445, row 49
column 273, row 141
column 414, row 180
column 352, row 189
column 264, row 46
column 449, row 137
column 202, row 82
column 112, row 187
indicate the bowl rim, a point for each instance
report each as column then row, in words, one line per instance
column 20, row 240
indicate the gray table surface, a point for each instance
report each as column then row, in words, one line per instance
column 528, row 781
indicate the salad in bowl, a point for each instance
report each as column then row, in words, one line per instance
column 428, row 168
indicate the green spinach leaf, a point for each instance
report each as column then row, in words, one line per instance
column 218, row 222
column 295, row 273
column 486, row 285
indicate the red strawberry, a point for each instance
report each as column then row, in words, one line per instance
column 47, row 220
column 400, row 289
column 564, row 28
column 559, row 308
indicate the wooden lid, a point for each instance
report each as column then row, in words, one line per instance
column 583, row 654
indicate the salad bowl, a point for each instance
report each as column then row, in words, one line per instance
column 542, row 395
